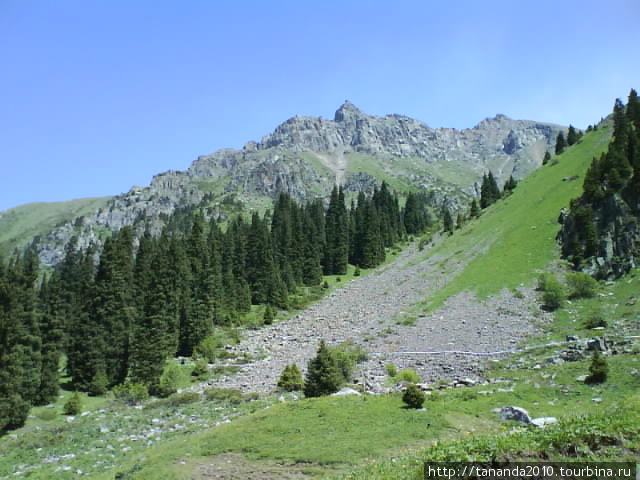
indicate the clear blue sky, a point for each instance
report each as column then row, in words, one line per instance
column 97, row 96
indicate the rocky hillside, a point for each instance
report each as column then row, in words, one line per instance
column 306, row 156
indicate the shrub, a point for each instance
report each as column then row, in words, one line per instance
column 413, row 397
column 391, row 369
column 291, row 379
column 595, row 319
column 356, row 272
column 407, row 375
column 543, row 279
column 229, row 395
column 207, row 348
column 175, row 400
column 323, row 374
column 73, row 406
column 269, row 315
column 325, row 285
column 553, row 294
column 131, row 393
column 347, row 355
column 201, row 368
column 338, row 279
column 582, row 285
column 169, row 380
column 99, row 383
column 212, row 347
column 598, row 370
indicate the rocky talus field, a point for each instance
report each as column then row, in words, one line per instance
column 374, row 312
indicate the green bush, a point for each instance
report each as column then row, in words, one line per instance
column 169, row 380
column 175, row 400
column 598, row 370
column 207, row 349
column 356, row 272
column 347, row 355
column 269, row 315
column 595, row 319
column 291, row 379
column 325, row 285
column 73, row 405
column 229, row 395
column 543, row 279
column 391, row 369
column 212, row 347
column 131, row 393
column 99, row 383
column 581, row 285
column 413, row 397
column 553, row 294
column 201, row 368
column 407, row 375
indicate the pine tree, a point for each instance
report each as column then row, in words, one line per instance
column 546, row 158
column 510, row 185
column 475, row 211
column 337, row 235
column 112, row 308
column 561, row 143
column 447, row 221
column 52, row 333
column 14, row 408
column 323, row 375
column 572, row 136
column 23, row 272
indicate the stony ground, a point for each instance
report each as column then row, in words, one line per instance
column 369, row 311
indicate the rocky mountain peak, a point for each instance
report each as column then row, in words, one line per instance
column 348, row 113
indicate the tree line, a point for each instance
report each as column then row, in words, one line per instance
column 117, row 314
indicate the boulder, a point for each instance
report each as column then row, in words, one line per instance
column 515, row 413
column 543, row 421
column 345, row 391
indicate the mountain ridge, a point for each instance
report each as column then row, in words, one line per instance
column 305, row 156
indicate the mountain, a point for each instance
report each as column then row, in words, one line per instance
column 306, row 156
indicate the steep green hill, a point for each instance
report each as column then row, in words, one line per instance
column 21, row 224
column 518, row 234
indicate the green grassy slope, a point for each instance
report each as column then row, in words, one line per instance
column 520, row 231
column 21, row 224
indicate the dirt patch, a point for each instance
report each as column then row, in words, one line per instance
column 234, row 466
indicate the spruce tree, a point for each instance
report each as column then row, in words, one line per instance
column 447, row 220
column 572, row 136
column 112, row 307
column 475, row 211
column 546, row 158
column 14, row 408
column 323, row 375
column 561, row 143
column 52, row 333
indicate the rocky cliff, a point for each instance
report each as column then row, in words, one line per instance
column 306, row 156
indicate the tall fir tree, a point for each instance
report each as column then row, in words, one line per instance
column 561, row 143
column 14, row 408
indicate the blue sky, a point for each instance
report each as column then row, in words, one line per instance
column 97, row 96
